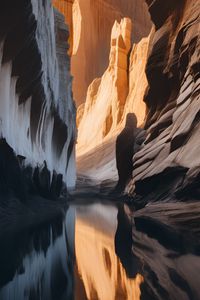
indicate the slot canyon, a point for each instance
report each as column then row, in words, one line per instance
column 99, row 149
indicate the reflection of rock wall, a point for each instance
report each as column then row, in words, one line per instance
column 166, row 239
column 98, row 266
column 120, row 90
column 173, row 72
column 47, row 256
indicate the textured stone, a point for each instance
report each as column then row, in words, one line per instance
column 36, row 107
column 120, row 90
column 92, row 24
column 66, row 8
column 173, row 97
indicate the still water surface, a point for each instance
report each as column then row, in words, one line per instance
column 94, row 253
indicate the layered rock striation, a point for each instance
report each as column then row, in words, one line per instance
column 66, row 7
column 169, row 159
column 37, row 112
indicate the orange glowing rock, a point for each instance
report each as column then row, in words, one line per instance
column 120, row 90
column 90, row 23
column 66, row 8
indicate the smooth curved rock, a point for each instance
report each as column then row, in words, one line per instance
column 37, row 112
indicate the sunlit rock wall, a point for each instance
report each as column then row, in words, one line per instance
column 119, row 91
column 37, row 112
column 137, row 81
column 66, row 8
column 91, row 24
column 98, row 18
column 171, row 151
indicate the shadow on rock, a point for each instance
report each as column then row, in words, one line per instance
column 127, row 144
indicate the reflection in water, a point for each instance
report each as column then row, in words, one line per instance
column 99, row 268
column 170, row 272
column 165, row 250
column 96, row 253
column 39, row 264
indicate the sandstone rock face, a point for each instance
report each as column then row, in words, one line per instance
column 171, row 149
column 91, row 23
column 66, row 8
column 137, row 80
column 101, row 167
column 71, row 10
column 120, row 90
column 36, row 107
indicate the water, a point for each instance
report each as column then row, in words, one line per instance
column 95, row 253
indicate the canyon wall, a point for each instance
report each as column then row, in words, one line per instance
column 170, row 154
column 92, row 24
column 37, row 112
column 119, row 91
column 66, row 8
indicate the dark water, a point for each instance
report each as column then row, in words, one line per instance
column 95, row 253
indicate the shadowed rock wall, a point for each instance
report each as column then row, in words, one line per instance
column 170, row 155
column 37, row 112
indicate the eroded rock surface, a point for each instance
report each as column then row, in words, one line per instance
column 119, row 91
column 37, row 111
column 170, row 156
column 90, row 25
column 107, row 95
column 67, row 8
